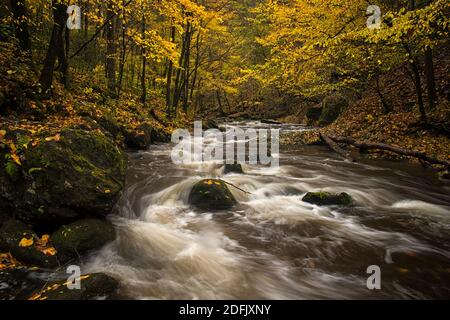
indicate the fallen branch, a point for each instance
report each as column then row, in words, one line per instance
column 237, row 187
column 385, row 147
column 335, row 147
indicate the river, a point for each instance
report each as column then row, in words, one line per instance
column 273, row 245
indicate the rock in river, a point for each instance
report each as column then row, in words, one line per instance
column 233, row 168
column 211, row 194
column 328, row 199
column 81, row 237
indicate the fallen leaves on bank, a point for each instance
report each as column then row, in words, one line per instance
column 7, row 262
column 42, row 244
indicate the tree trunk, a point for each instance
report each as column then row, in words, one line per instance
column 169, row 79
column 111, row 51
column 21, row 25
column 197, row 65
column 56, row 45
column 431, row 82
column 123, row 53
column 418, row 86
column 178, row 81
column 387, row 108
column 144, row 64
column 414, row 65
column 187, row 72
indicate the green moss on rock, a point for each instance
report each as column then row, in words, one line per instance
column 80, row 174
column 233, row 168
column 332, row 107
column 211, row 195
column 81, row 237
column 328, row 199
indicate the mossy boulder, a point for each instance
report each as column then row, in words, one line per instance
column 159, row 135
column 81, row 237
column 233, row 168
column 140, row 138
column 328, row 199
column 332, row 107
column 94, row 286
column 64, row 177
column 20, row 240
column 211, row 195
column 109, row 124
column 143, row 136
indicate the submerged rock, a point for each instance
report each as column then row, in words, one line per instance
column 233, row 168
column 81, row 237
column 20, row 241
column 92, row 287
column 211, row 194
column 63, row 178
column 328, row 199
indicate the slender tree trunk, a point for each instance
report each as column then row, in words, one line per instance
column 197, row 65
column 63, row 58
column 414, row 65
column 387, row 108
column 56, row 45
column 21, row 25
column 111, row 51
column 144, row 64
column 187, row 72
column 123, row 54
column 418, row 86
column 431, row 82
column 178, row 81
column 169, row 79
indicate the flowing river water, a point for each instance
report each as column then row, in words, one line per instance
column 273, row 245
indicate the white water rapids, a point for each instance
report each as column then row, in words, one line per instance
column 273, row 245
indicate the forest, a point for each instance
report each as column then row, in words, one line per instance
column 91, row 92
